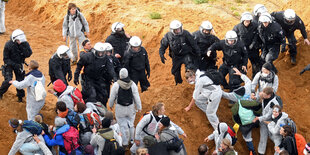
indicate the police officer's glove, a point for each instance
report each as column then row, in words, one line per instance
column 76, row 80
column 162, row 58
column 283, row 48
column 69, row 76
column 17, row 66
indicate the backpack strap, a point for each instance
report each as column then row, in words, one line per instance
column 144, row 129
column 104, row 131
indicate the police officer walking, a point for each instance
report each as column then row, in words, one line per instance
column 247, row 32
column 235, row 55
column 59, row 65
column 118, row 39
column 97, row 68
column 136, row 61
column 15, row 51
column 205, row 38
column 289, row 22
column 271, row 35
column 183, row 49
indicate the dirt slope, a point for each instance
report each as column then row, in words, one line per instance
column 42, row 21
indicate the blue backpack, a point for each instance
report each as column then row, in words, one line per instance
column 73, row 119
column 33, row 127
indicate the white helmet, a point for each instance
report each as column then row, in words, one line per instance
column 175, row 24
column 135, row 41
column 117, row 25
column 108, row 47
column 259, row 9
column 64, row 52
column 231, row 35
column 18, row 35
column 265, row 17
column 205, row 25
column 99, row 49
column 289, row 16
column 246, row 16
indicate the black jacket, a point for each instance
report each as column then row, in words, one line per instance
column 205, row 41
column 179, row 45
column 247, row 34
column 235, row 55
column 59, row 68
column 289, row 144
column 14, row 53
column 95, row 68
column 289, row 29
column 119, row 43
column 272, row 34
column 116, row 64
column 138, row 61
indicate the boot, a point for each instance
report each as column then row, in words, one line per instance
column 293, row 60
column 251, row 148
column 20, row 99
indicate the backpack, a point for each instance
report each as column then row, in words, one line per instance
column 291, row 123
column 92, row 119
column 73, row 119
column 300, row 143
column 144, row 129
column 175, row 143
column 214, row 75
column 232, row 133
column 78, row 16
column 246, row 115
column 125, row 97
column 71, row 139
column 111, row 146
column 76, row 96
column 33, row 127
column 278, row 98
column 39, row 91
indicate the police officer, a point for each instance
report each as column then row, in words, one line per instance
column 183, row 49
column 15, row 51
column 205, row 38
column 97, row 68
column 257, row 11
column 235, row 55
column 271, row 35
column 136, row 61
column 248, row 34
column 59, row 65
column 289, row 22
column 118, row 39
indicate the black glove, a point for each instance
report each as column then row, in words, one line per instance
column 69, row 76
column 283, row 48
column 302, row 71
column 76, row 80
column 162, row 58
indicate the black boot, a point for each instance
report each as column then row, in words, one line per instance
column 20, row 99
column 293, row 60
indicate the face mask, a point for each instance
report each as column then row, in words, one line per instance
column 192, row 82
column 264, row 75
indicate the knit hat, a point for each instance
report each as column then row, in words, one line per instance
column 14, row 122
column 89, row 150
column 268, row 66
column 307, row 148
column 59, row 86
column 60, row 121
column 106, row 123
column 149, row 141
column 123, row 73
column 240, row 91
column 165, row 121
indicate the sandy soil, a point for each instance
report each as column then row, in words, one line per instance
column 42, row 22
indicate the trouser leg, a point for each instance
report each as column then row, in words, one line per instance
column 144, row 83
column 224, row 69
column 255, row 61
column 73, row 47
column 20, row 76
column 123, row 124
column 234, row 80
column 292, row 45
column 8, row 75
column 272, row 55
column 2, row 17
column 176, row 69
column 213, row 104
column 263, row 138
column 101, row 92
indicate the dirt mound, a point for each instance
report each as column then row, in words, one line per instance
column 42, row 22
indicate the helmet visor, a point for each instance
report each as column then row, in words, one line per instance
column 100, row 54
column 21, row 38
column 177, row 31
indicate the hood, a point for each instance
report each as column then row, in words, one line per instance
column 106, row 134
column 222, row 128
column 36, row 73
column 68, row 90
column 124, row 85
column 63, row 129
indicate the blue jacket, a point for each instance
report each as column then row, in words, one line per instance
column 58, row 139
